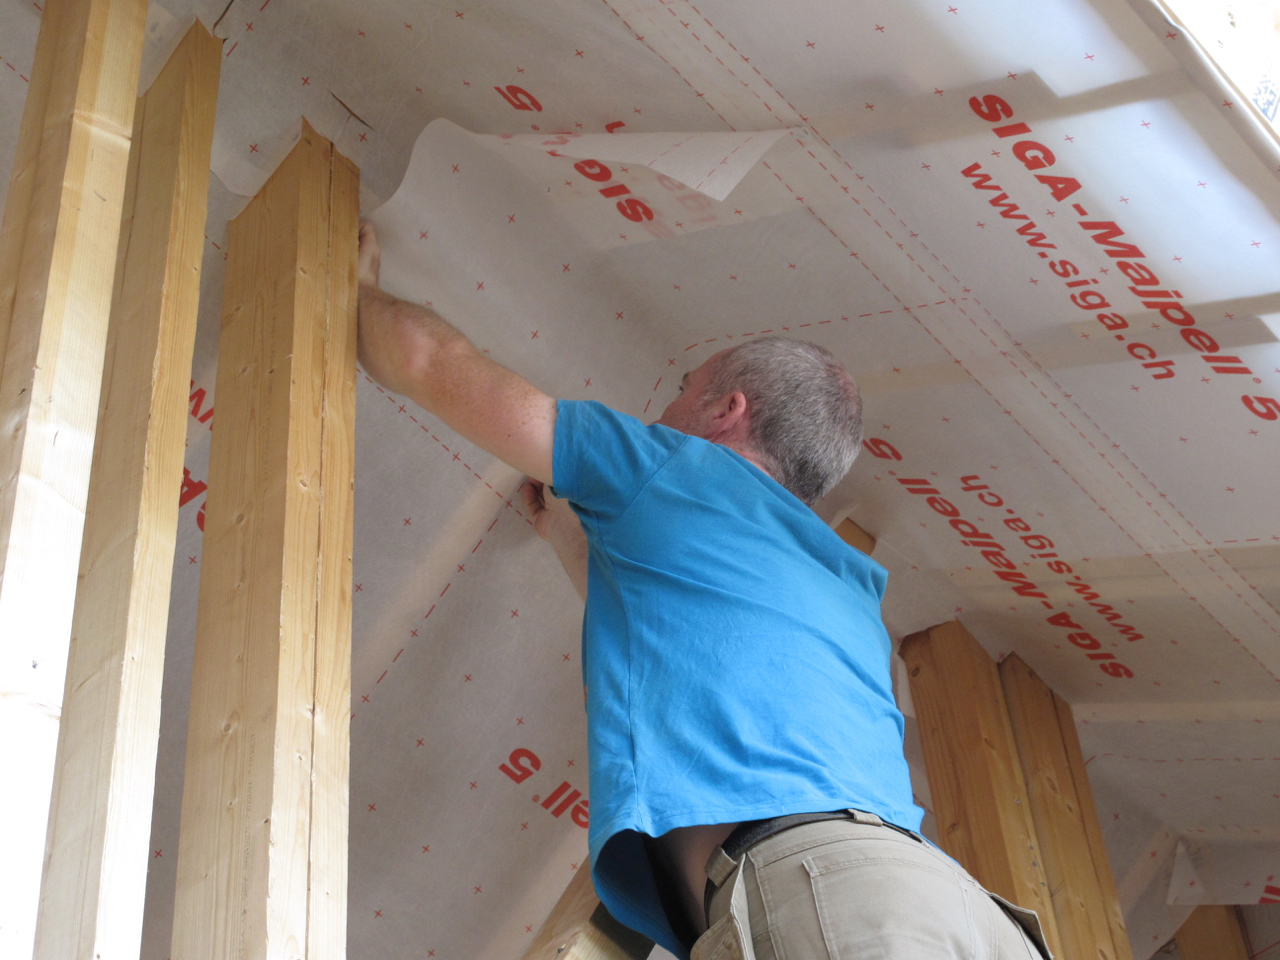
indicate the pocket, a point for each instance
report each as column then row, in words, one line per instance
column 721, row 942
column 1028, row 920
column 885, row 908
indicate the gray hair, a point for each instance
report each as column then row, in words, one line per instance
column 806, row 412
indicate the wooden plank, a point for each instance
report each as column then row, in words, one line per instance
column 1093, row 831
column 855, row 536
column 1079, row 903
column 57, row 263
column 100, row 817
column 580, row 928
column 1212, row 933
column 979, row 797
column 263, row 836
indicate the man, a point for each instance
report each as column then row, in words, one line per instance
column 748, row 787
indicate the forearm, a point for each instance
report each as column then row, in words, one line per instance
column 572, row 553
column 401, row 342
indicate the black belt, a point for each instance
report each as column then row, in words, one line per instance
column 747, row 835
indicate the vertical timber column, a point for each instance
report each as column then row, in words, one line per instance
column 580, row 928
column 1212, row 933
column 1083, row 891
column 100, row 818
column 979, row 797
column 262, row 853
column 57, row 262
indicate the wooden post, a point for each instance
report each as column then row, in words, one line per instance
column 57, row 262
column 1085, row 903
column 1212, row 933
column 262, row 852
column 100, row 817
column 580, row 928
column 979, row 797
column 855, row 536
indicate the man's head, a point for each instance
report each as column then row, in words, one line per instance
column 789, row 405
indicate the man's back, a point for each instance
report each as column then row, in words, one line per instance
column 735, row 661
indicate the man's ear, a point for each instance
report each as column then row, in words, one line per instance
column 730, row 417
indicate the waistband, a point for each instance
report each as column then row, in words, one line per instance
column 726, row 857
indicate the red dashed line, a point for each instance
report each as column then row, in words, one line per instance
column 397, row 656
column 379, row 680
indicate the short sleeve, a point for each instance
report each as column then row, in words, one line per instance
column 602, row 458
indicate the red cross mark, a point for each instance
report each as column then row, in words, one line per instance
column 459, row 15
column 619, row 313
column 408, row 26
column 564, row 268
column 1069, row 139
column 1011, row 76
column 421, row 742
column 473, row 784
column 373, row 807
column 791, row 266
column 253, row 148
column 926, row 166
column 462, row 568
column 534, row 335
column 478, row 890
column 466, row 83
column 480, row 285
column 408, row 522
column 869, row 106
column 422, row 234
column 364, row 137
column 364, row 698
column 413, row 633
column 1228, row 104
column 360, row 32
column 952, row 10
column 511, row 218
column 1177, row 259
column 306, row 81
column 879, row 29
column 427, row 848
column 587, row 382
column 1088, row 56
column 466, row 678
column 1201, row 183
column 577, row 53
column 359, row 588
column 1124, row 199
column 519, row 721
column 528, row 928
column 571, row 763
column 377, row 913
column 519, row 69
column 525, row 825
column 811, row 45
column 249, row 26
column 566, row 658
column 159, row 854
column 995, row 153
column 417, row 89
column 455, row 168
column 191, row 560
column 1256, row 243
column 515, row 613
column 402, row 408
column 1170, row 35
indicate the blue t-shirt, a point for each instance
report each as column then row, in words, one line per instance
column 735, row 663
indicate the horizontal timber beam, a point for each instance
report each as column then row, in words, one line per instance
column 580, row 928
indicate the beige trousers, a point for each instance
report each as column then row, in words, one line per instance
column 849, row 891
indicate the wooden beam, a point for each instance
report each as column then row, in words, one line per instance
column 1212, row 933
column 1085, row 903
column 855, row 536
column 100, row 817
column 580, row 928
column 57, row 262
column 979, row 797
column 263, row 845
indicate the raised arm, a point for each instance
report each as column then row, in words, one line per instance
column 412, row 351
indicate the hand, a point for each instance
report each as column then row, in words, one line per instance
column 370, row 255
